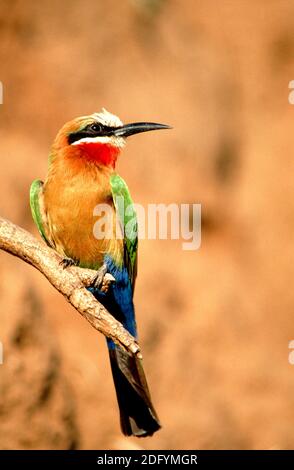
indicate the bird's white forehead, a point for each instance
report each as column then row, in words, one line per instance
column 107, row 119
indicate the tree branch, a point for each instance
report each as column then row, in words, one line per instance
column 71, row 282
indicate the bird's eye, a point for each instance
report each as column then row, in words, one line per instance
column 96, row 127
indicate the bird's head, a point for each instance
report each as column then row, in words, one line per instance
column 98, row 138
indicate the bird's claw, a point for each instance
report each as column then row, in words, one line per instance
column 106, row 283
column 98, row 279
column 103, row 279
column 66, row 262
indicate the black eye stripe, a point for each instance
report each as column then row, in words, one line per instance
column 91, row 131
column 99, row 129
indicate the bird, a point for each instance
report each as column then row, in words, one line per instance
column 81, row 176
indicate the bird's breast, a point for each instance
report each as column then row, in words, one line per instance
column 81, row 216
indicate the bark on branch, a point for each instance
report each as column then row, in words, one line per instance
column 71, row 282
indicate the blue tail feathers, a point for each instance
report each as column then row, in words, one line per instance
column 137, row 414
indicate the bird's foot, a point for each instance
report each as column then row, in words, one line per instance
column 66, row 262
column 103, row 279
column 99, row 276
column 108, row 280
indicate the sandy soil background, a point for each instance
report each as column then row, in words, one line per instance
column 214, row 324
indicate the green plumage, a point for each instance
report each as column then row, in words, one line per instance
column 36, row 188
column 128, row 219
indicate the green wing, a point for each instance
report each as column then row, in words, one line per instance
column 128, row 218
column 35, row 197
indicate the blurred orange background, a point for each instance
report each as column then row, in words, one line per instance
column 214, row 324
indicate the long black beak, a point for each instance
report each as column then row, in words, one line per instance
column 136, row 127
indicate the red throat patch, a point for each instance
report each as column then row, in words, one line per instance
column 97, row 152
